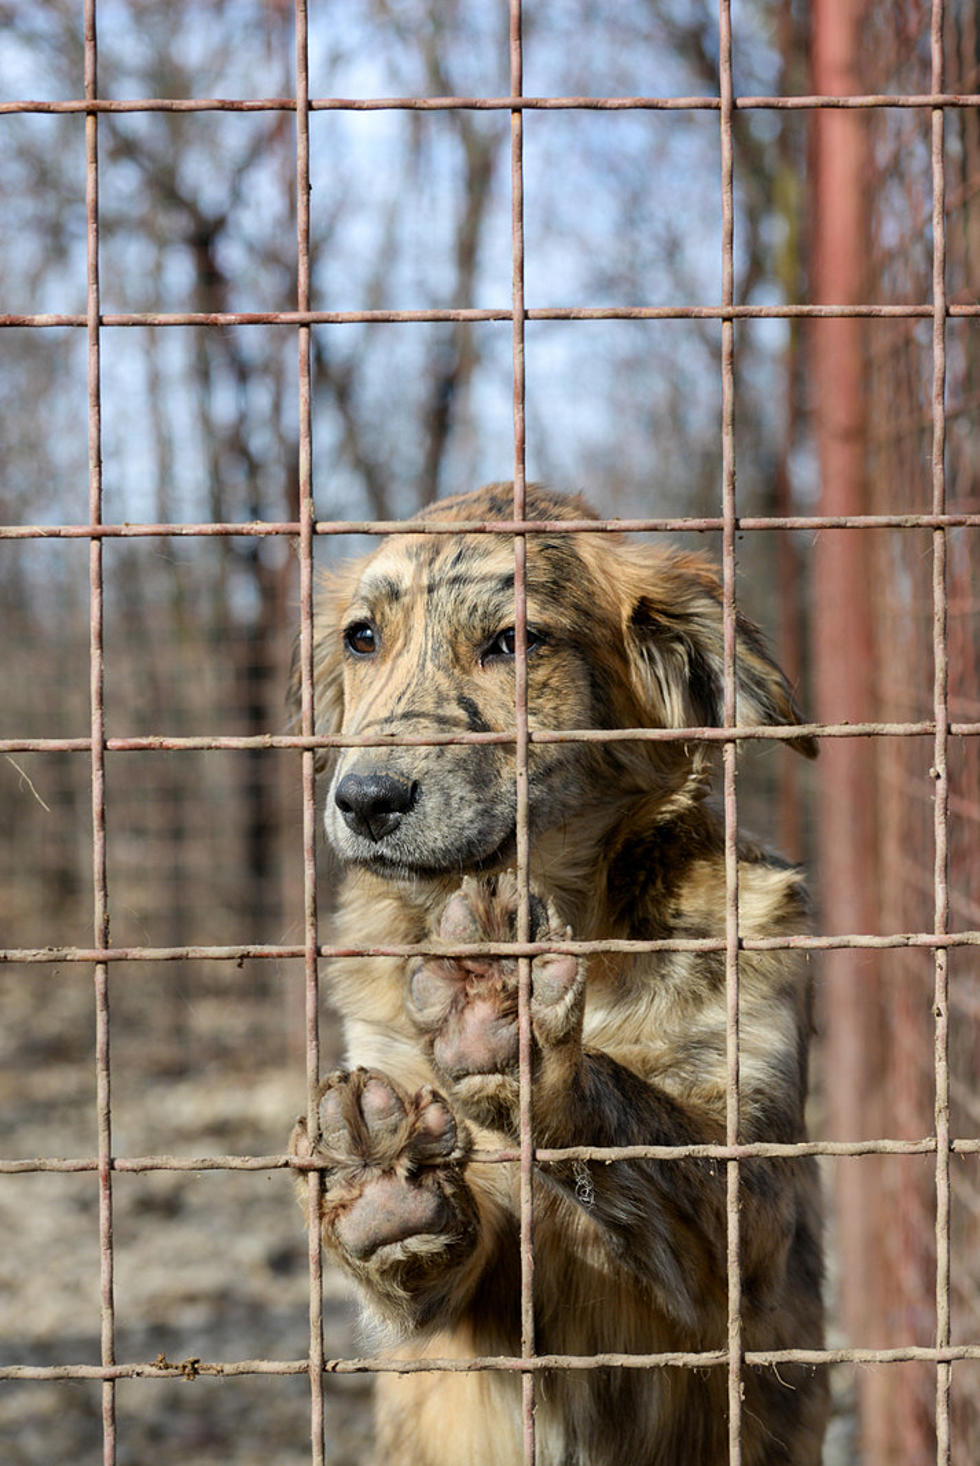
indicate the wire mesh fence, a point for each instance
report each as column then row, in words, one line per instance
column 174, row 811
column 915, row 429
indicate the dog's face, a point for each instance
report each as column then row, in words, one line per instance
column 418, row 641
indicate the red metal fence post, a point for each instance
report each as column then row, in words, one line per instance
column 842, row 643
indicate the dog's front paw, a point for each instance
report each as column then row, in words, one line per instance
column 393, row 1186
column 466, row 1007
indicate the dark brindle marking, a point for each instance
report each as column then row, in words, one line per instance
column 629, row 1257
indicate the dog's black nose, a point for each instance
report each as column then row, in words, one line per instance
column 373, row 804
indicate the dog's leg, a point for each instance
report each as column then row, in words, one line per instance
column 395, row 1209
column 466, row 1008
column 661, row 1220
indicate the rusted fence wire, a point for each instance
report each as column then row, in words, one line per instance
column 945, row 721
column 919, row 407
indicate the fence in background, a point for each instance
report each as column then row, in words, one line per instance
column 911, row 1255
column 907, row 815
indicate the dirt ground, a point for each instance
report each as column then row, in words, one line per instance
column 209, row 1264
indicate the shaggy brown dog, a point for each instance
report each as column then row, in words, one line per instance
column 418, row 640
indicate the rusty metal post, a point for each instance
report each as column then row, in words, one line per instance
column 843, row 650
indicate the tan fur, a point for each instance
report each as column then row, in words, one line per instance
column 629, row 1256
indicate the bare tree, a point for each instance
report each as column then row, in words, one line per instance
column 410, row 209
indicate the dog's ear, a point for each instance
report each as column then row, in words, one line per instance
column 676, row 644
column 332, row 595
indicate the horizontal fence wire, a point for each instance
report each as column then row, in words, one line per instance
column 800, row 942
column 788, row 733
column 306, row 743
column 748, row 1150
column 384, row 528
column 912, row 311
column 924, row 100
column 504, row 1364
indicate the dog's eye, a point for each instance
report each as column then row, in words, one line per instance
column 504, row 644
column 361, row 639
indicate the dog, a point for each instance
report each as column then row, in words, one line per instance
column 628, row 1048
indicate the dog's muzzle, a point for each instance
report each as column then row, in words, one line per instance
column 373, row 804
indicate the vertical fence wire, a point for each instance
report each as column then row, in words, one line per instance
column 516, row 49
column 730, row 748
column 98, row 737
column 307, row 519
column 940, row 752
